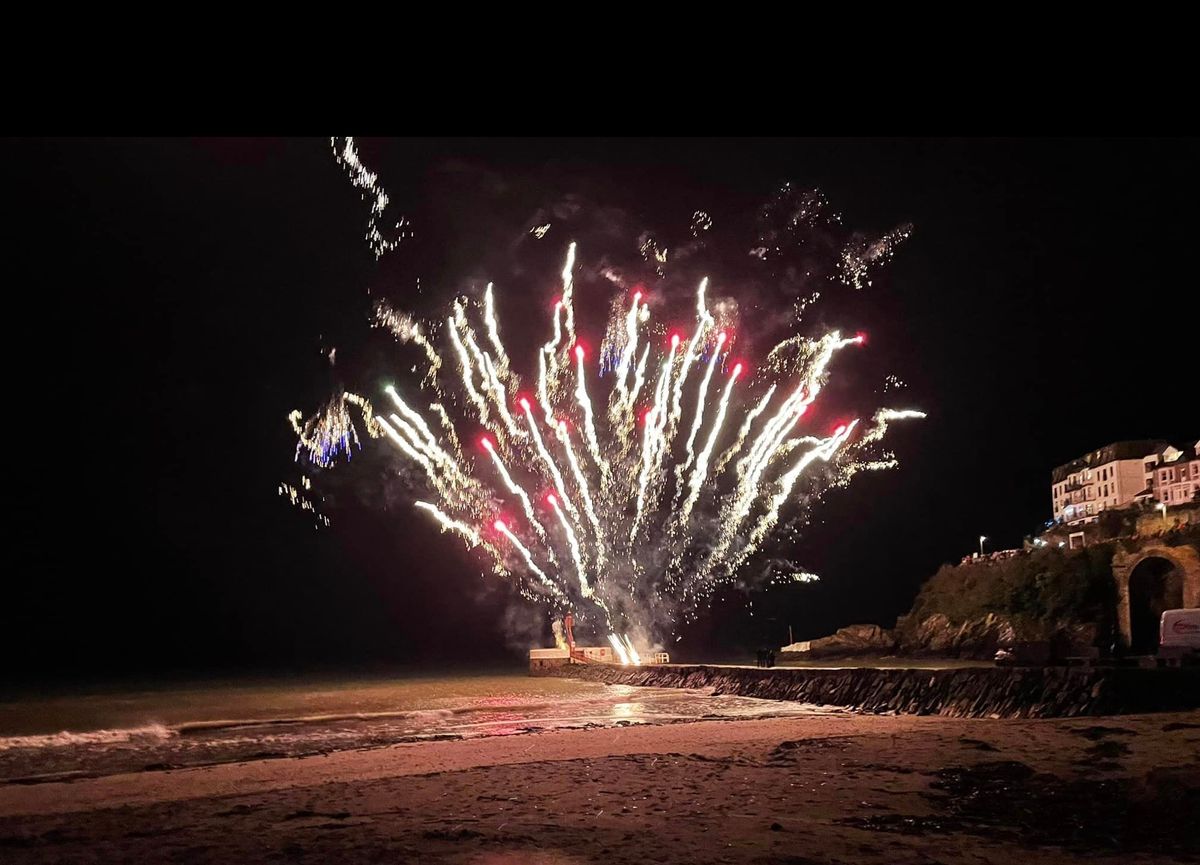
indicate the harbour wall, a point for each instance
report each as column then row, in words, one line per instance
column 971, row 692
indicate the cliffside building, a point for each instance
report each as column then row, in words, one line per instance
column 1175, row 478
column 1109, row 477
column 1117, row 475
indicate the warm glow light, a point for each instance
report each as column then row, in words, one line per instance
column 486, row 442
column 499, row 525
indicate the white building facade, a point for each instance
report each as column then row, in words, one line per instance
column 1122, row 473
column 1175, row 477
column 1109, row 477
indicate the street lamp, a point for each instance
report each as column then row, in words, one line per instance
column 1162, row 506
column 981, row 540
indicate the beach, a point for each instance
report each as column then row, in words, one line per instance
column 808, row 790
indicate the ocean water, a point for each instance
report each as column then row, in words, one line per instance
column 85, row 735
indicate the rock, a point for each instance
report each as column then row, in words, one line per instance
column 977, row 639
column 933, row 635
column 980, row 638
column 848, row 641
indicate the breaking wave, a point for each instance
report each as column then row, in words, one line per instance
column 147, row 733
column 195, row 727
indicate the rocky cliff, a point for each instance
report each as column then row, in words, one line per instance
column 1059, row 601
column 977, row 692
column 937, row 636
column 1048, row 604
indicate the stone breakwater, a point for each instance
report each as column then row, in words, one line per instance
column 1034, row 692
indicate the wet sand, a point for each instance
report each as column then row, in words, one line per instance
column 814, row 790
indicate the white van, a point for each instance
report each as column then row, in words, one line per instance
column 1179, row 633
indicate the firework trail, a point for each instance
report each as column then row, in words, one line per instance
column 362, row 177
column 332, row 431
column 571, row 502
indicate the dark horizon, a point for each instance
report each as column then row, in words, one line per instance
column 183, row 290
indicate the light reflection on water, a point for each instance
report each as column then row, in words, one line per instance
column 627, row 710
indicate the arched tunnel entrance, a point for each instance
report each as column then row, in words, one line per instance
column 1155, row 585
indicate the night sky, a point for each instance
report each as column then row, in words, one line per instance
column 174, row 299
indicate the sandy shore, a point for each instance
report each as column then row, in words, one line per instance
column 808, row 791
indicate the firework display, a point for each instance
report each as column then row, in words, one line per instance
column 628, row 487
column 628, row 484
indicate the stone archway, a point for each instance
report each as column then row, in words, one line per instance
column 1148, row 581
